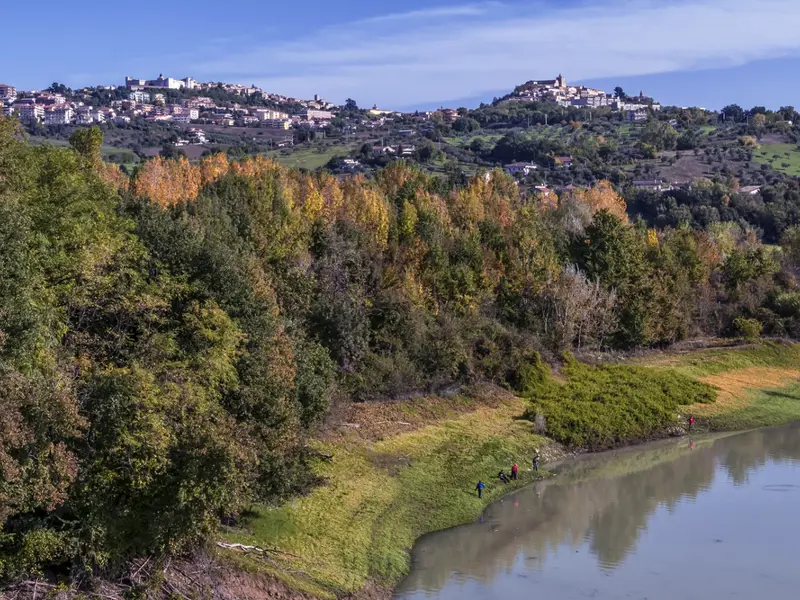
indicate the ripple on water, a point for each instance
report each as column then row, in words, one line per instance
column 781, row 487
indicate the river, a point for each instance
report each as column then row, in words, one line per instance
column 706, row 519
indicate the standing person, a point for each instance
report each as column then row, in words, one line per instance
column 536, row 462
column 515, row 472
column 480, row 487
column 691, row 423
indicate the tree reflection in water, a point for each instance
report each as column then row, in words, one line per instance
column 604, row 501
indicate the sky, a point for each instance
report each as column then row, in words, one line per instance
column 419, row 53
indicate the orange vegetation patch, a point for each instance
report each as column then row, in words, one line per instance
column 380, row 420
column 736, row 387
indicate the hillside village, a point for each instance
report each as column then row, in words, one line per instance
column 150, row 99
column 549, row 135
column 557, row 91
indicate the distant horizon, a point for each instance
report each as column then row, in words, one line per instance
column 666, row 83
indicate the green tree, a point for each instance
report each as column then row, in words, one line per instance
column 659, row 134
column 87, row 141
column 612, row 253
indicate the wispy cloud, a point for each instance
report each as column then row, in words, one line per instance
column 436, row 12
column 448, row 53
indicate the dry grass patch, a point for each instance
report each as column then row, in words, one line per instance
column 736, row 387
column 374, row 421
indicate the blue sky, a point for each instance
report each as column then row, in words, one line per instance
column 419, row 53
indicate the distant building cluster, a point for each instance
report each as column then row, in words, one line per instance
column 557, row 91
column 149, row 99
column 193, row 104
column 161, row 82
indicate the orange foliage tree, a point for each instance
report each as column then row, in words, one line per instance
column 603, row 196
column 168, row 182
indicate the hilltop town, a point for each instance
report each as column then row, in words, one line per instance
column 550, row 135
column 185, row 101
column 161, row 99
column 557, row 91
column 147, row 115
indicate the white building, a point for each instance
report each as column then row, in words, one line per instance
column 284, row 124
column 7, row 92
column 140, row 97
column 654, row 185
column 159, row 82
column 319, row 115
column 182, row 118
column 103, row 114
column 267, row 114
column 750, row 190
column 59, row 115
column 520, row 168
column 197, row 135
column 637, row 116
column 30, row 113
column 85, row 115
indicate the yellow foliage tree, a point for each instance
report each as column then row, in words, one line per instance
column 366, row 206
column 213, row 167
column 114, row 176
column 168, row 182
column 603, row 196
column 332, row 196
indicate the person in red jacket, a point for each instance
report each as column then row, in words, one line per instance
column 691, row 423
column 515, row 471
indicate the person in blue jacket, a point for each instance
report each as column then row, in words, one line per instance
column 480, row 487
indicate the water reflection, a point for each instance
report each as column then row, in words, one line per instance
column 598, row 509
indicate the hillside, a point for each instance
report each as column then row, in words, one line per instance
column 178, row 346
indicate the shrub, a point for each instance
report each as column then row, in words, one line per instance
column 603, row 407
column 749, row 329
column 540, row 424
column 748, row 141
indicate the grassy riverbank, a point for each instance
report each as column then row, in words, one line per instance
column 401, row 470
column 385, row 489
column 756, row 386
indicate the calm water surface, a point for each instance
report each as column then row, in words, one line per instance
column 706, row 519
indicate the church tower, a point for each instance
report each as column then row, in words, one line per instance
column 561, row 82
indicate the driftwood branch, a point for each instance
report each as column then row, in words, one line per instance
column 263, row 553
column 255, row 549
column 144, row 564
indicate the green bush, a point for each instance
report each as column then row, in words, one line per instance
column 749, row 329
column 608, row 406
